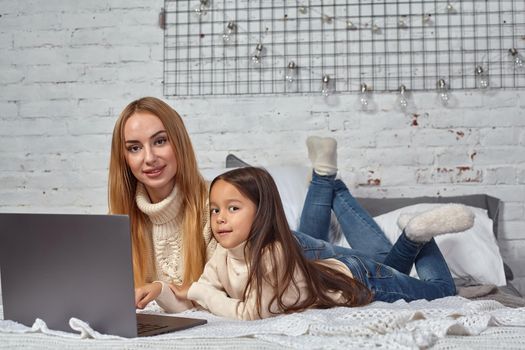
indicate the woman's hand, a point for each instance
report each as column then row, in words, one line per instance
column 147, row 293
column 180, row 291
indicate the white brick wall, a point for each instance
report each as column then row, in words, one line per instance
column 67, row 68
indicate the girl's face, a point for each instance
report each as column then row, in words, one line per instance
column 232, row 214
column 149, row 154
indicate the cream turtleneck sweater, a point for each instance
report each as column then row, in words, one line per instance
column 166, row 235
column 220, row 289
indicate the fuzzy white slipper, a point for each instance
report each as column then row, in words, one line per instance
column 404, row 218
column 448, row 218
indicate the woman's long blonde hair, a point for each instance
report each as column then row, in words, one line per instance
column 122, row 186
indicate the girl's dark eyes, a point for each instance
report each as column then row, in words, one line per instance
column 231, row 209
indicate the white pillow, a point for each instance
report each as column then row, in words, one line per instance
column 472, row 255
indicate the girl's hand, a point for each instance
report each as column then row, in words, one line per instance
column 180, row 291
column 147, row 293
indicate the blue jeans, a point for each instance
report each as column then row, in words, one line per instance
column 359, row 228
column 381, row 267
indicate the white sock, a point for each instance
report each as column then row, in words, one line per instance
column 448, row 218
column 322, row 151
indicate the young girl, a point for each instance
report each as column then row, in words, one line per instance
column 259, row 269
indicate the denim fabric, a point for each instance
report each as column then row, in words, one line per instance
column 317, row 208
column 403, row 254
column 381, row 267
column 325, row 194
column 315, row 249
column 388, row 285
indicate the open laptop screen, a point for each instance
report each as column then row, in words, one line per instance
column 58, row 266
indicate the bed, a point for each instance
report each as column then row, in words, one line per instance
column 482, row 316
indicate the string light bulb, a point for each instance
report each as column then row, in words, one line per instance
column 326, row 85
column 327, row 19
column 482, row 78
column 257, row 54
column 451, row 8
column 364, row 92
column 402, row 98
column 229, row 32
column 442, row 89
column 427, row 19
column 202, row 8
column 516, row 58
column 291, row 72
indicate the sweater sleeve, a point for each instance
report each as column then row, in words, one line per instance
column 213, row 298
column 169, row 302
column 209, row 292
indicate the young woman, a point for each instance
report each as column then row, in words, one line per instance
column 259, row 269
column 153, row 178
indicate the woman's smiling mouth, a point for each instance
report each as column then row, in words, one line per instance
column 153, row 172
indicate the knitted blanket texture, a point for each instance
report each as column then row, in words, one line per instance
column 443, row 323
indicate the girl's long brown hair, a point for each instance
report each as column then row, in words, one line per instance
column 270, row 227
column 122, row 186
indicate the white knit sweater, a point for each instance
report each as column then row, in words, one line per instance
column 166, row 234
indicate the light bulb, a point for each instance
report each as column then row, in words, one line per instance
column 363, row 97
column 291, row 72
column 516, row 58
column 350, row 25
column 229, row 32
column 202, row 8
column 325, row 85
column 442, row 89
column 327, row 19
column 482, row 77
column 451, row 8
column 427, row 18
column 257, row 54
column 402, row 100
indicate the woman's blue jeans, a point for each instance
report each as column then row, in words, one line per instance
column 373, row 260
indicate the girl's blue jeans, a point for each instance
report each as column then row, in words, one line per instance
column 382, row 267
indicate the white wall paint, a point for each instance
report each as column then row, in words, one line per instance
column 68, row 68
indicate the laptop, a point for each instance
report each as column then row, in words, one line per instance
column 58, row 266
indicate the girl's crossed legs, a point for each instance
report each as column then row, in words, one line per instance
column 381, row 266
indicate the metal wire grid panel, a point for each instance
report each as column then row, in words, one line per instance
column 210, row 46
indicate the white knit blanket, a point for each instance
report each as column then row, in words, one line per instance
column 401, row 325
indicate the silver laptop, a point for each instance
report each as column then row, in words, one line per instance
column 58, row 266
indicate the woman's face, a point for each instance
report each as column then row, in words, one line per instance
column 149, row 154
